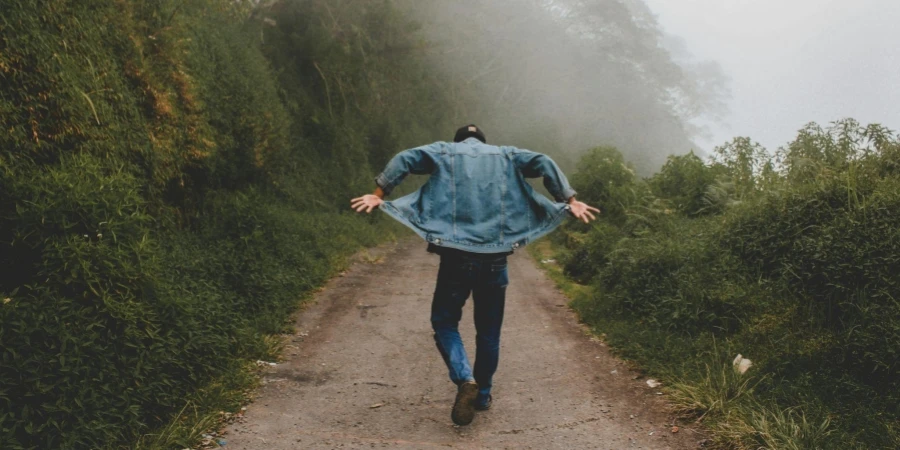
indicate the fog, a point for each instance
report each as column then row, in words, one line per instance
column 561, row 76
column 657, row 77
column 792, row 62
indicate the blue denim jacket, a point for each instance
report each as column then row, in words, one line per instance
column 476, row 199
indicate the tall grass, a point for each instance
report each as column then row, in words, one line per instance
column 790, row 260
column 173, row 182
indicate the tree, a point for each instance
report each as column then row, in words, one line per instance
column 744, row 161
column 685, row 180
column 561, row 75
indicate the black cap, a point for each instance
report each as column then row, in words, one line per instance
column 469, row 131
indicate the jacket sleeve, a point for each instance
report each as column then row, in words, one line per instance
column 417, row 161
column 535, row 165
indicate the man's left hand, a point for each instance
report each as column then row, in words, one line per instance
column 582, row 211
column 366, row 203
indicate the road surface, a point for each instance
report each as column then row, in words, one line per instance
column 362, row 371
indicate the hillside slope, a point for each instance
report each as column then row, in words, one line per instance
column 173, row 179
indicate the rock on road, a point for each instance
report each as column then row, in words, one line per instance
column 362, row 371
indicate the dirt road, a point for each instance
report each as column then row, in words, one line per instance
column 362, row 372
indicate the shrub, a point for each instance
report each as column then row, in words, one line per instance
column 171, row 186
column 800, row 271
column 677, row 282
column 685, row 181
column 836, row 250
column 80, row 346
column 604, row 179
column 590, row 251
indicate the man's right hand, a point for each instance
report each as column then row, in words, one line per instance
column 582, row 211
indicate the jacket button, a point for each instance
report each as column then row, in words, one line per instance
column 437, row 241
column 516, row 245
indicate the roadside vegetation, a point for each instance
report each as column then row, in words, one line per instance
column 175, row 175
column 789, row 259
column 174, row 178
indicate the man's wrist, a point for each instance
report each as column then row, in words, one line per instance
column 379, row 193
column 571, row 200
column 382, row 182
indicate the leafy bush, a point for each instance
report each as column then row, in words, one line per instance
column 173, row 181
column 836, row 249
column 605, row 180
column 792, row 261
column 79, row 346
column 685, row 180
column 590, row 251
column 678, row 282
column 746, row 163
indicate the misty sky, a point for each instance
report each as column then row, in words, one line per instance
column 794, row 61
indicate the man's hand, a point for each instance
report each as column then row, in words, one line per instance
column 582, row 211
column 366, row 202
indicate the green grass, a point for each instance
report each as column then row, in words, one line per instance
column 543, row 254
column 794, row 267
column 698, row 380
column 207, row 411
column 175, row 183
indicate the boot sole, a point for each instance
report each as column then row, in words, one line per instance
column 464, row 407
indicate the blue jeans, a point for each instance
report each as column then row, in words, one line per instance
column 486, row 280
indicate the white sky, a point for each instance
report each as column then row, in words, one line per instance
column 794, row 61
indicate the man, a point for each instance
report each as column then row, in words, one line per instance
column 475, row 209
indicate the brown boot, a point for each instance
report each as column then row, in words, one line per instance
column 464, row 407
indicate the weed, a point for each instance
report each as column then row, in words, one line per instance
column 718, row 392
column 788, row 429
